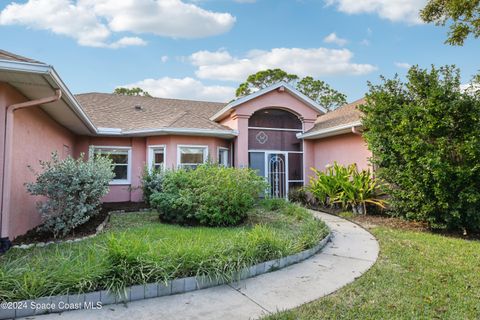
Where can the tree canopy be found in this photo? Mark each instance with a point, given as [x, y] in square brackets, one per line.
[464, 15]
[317, 90]
[263, 79]
[136, 91]
[425, 139]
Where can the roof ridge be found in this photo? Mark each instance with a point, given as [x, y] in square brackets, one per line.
[183, 114]
[151, 97]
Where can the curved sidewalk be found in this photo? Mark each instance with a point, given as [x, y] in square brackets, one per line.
[350, 253]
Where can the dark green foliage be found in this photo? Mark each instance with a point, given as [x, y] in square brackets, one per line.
[464, 15]
[263, 79]
[210, 195]
[136, 91]
[316, 90]
[298, 195]
[321, 92]
[425, 138]
[151, 182]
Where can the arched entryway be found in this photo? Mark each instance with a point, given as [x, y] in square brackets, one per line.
[274, 150]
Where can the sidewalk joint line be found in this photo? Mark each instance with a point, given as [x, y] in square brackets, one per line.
[353, 258]
[243, 294]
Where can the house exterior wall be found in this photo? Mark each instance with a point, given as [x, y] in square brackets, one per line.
[35, 137]
[345, 149]
[139, 154]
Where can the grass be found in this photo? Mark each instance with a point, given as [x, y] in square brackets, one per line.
[418, 275]
[137, 248]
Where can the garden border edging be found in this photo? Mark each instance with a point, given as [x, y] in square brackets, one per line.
[152, 290]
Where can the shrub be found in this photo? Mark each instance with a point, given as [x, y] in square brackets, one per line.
[151, 182]
[425, 138]
[298, 195]
[210, 195]
[273, 204]
[347, 186]
[73, 188]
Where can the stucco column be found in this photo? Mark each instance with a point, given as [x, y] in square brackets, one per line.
[308, 124]
[308, 151]
[308, 160]
[241, 143]
[139, 159]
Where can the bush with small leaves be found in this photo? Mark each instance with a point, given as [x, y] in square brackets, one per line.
[151, 181]
[210, 195]
[73, 188]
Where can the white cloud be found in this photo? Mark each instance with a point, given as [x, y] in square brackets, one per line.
[365, 42]
[184, 88]
[220, 65]
[93, 22]
[127, 41]
[393, 10]
[164, 59]
[403, 65]
[333, 38]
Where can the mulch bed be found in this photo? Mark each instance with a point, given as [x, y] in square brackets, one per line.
[370, 221]
[86, 229]
[379, 218]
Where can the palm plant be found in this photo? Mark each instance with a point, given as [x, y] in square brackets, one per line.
[347, 186]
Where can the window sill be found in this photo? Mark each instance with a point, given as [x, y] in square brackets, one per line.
[119, 183]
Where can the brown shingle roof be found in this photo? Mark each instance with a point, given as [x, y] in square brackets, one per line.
[343, 115]
[5, 55]
[119, 111]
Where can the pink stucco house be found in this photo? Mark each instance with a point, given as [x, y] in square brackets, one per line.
[277, 131]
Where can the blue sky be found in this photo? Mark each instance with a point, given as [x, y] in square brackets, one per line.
[202, 49]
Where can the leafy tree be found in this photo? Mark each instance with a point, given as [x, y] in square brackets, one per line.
[136, 91]
[465, 16]
[425, 138]
[263, 79]
[317, 90]
[321, 92]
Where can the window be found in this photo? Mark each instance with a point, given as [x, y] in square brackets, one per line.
[120, 157]
[156, 157]
[223, 157]
[191, 156]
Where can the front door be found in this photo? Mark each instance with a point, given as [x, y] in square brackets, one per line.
[276, 174]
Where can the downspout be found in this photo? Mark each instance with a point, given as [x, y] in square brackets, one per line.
[355, 131]
[7, 163]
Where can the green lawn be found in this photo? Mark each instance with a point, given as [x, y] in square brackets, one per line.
[137, 248]
[417, 276]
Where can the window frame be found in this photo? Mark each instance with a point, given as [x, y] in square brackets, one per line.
[151, 154]
[180, 146]
[127, 181]
[219, 149]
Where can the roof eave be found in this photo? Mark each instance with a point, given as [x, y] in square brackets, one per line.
[328, 132]
[49, 71]
[168, 131]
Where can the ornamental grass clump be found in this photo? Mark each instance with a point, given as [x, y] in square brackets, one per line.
[73, 188]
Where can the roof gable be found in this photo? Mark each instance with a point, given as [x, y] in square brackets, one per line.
[297, 94]
[336, 121]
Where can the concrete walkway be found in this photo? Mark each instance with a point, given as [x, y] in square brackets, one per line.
[351, 252]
